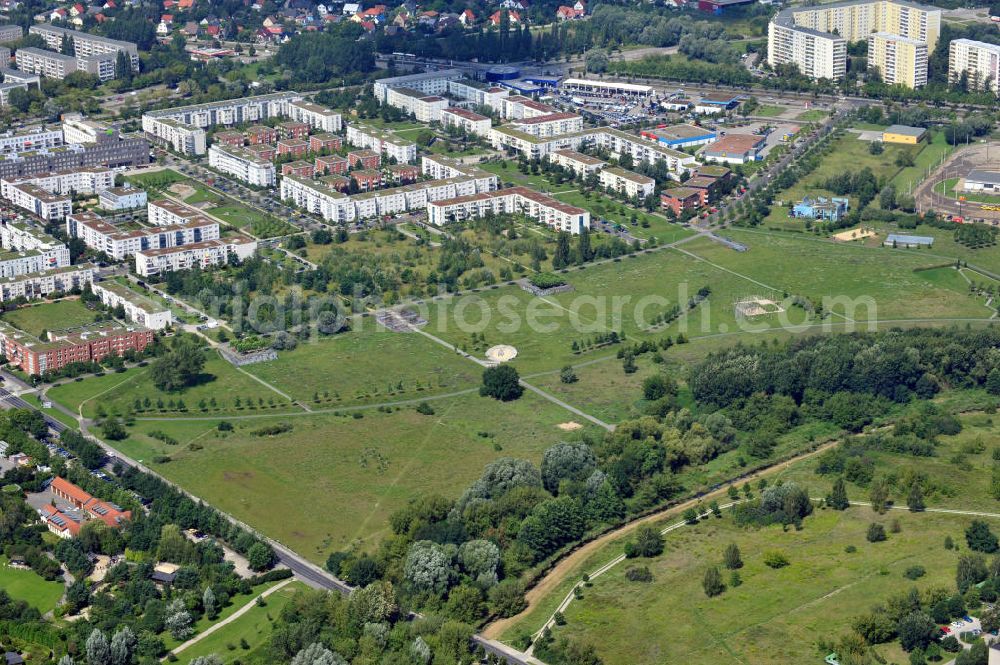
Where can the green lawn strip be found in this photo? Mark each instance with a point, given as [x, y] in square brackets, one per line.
[156, 179]
[332, 481]
[812, 115]
[219, 380]
[235, 603]
[29, 586]
[33, 399]
[254, 628]
[769, 111]
[367, 365]
[58, 315]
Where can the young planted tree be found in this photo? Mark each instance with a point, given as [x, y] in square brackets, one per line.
[712, 582]
[838, 496]
[731, 557]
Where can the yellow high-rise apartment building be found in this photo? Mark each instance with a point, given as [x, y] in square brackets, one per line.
[899, 60]
[815, 38]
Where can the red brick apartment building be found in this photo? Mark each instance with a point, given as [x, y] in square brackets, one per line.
[332, 164]
[320, 142]
[261, 135]
[84, 344]
[366, 158]
[293, 130]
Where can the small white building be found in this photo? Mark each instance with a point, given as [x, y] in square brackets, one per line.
[122, 198]
[979, 181]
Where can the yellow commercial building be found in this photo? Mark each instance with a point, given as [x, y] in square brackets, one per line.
[903, 134]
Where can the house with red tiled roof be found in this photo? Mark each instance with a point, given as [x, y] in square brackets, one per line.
[88, 507]
[167, 18]
[565, 13]
[58, 14]
[100, 18]
[169, 4]
[512, 15]
[63, 524]
[467, 18]
[77, 10]
[185, 4]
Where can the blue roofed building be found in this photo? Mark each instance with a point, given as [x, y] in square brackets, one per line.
[821, 208]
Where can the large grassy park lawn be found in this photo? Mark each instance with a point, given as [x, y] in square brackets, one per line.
[803, 265]
[220, 380]
[777, 616]
[816, 596]
[50, 316]
[29, 586]
[334, 480]
[254, 627]
[370, 365]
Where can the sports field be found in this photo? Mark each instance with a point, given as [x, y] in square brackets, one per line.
[29, 586]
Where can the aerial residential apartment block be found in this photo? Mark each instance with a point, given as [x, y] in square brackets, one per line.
[898, 60]
[423, 107]
[242, 165]
[581, 164]
[205, 254]
[450, 179]
[468, 121]
[317, 117]
[815, 38]
[627, 182]
[978, 62]
[34, 199]
[90, 343]
[118, 244]
[85, 44]
[552, 124]
[185, 126]
[515, 200]
[40, 284]
[138, 308]
[382, 142]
